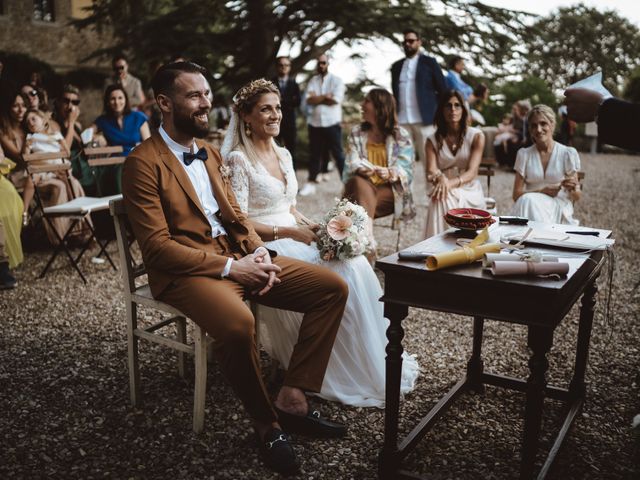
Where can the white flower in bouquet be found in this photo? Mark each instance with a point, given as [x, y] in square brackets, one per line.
[343, 232]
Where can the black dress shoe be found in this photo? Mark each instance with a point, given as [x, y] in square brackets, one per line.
[310, 424]
[277, 452]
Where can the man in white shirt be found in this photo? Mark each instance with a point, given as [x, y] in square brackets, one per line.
[323, 97]
[416, 81]
[203, 257]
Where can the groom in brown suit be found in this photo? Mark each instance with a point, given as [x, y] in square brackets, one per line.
[204, 257]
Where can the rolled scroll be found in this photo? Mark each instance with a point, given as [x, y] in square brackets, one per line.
[489, 258]
[501, 268]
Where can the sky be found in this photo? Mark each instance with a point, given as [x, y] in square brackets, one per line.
[378, 57]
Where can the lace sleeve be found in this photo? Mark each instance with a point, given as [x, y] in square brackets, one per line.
[239, 166]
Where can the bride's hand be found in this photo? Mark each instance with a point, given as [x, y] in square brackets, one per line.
[304, 233]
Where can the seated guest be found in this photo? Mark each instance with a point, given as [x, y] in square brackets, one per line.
[7, 280]
[506, 157]
[453, 154]
[546, 183]
[204, 257]
[38, 101]
[66, 113]
[13, 106]
[265, 185]
[53, 188]
[11, 220]
[379, 163]
[120, 126]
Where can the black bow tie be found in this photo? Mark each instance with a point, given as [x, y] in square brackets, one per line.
[188, 157]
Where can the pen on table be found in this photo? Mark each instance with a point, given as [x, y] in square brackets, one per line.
[584, 232]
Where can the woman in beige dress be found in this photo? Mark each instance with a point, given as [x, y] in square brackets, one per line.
[453, 152]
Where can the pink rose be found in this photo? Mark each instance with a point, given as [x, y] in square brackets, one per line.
[338, 227]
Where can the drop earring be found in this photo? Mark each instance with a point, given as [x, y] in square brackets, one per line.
[247, 129]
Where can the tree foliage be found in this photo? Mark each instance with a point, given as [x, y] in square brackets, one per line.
[240, 39]
[577, 41]
[535, 89]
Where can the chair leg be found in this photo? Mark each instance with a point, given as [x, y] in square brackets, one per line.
[200, 390]
[181, 335]
[132, 354]
[62, 246]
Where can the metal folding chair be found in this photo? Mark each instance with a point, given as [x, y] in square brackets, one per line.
[78, 210]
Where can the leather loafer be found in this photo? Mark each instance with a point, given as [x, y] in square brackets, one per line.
[277, 452]
[310, 424]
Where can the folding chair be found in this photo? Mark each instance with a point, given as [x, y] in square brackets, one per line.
[78, 210]
[103, 157]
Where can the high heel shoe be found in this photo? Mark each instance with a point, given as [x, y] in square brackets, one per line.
[25, 219]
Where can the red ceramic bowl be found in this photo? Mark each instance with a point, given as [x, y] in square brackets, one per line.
[468, 218]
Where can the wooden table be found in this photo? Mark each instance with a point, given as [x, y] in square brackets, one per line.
[538, 303]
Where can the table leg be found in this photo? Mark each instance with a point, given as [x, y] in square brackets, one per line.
[539, 341]
[388, 460]
[577, 386]
[475, 365]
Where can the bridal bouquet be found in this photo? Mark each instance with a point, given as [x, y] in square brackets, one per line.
[343, 232]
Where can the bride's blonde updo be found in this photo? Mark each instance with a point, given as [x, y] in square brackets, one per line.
[247, 97]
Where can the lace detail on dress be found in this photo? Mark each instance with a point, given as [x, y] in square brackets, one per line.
[260, 194]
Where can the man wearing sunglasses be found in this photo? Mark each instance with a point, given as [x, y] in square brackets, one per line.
[416, 81]
[131, 84]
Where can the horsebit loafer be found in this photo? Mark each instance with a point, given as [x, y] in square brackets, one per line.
[277, 452]
[310, 424]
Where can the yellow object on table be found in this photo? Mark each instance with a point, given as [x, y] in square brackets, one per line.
[470, 253]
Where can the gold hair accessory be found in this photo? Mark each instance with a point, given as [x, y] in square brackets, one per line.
[250, 89]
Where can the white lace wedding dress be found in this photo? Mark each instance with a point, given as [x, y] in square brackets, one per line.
[356, 371]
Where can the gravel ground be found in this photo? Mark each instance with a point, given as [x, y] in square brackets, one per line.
[65, 413]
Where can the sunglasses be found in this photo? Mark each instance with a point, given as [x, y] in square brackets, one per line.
[322, 63]
[410, 40]
[119, 67]
[33, 93]
[284, 64]
[68, 101]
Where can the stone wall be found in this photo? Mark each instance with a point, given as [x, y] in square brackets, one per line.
[56, 42]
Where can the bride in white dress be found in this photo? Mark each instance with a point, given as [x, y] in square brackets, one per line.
[265, 185]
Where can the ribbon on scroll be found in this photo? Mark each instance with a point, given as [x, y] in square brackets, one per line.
[469, 253]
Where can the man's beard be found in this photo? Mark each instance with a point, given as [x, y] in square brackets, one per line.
[188, 124]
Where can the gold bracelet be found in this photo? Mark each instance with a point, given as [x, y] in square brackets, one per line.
[275, 232]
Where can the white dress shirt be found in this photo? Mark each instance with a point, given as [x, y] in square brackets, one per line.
[408, 110]
[201, 182]
[325, 115]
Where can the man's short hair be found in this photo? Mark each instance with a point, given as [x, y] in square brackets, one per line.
[165, 78]
[282, 56]
[454, 60]
[411, 30]
[117, 57]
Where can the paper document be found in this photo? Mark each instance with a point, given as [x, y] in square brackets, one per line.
[594, 82]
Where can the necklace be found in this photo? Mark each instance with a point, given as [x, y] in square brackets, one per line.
[453, 144]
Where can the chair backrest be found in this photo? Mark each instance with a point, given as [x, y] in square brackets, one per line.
[101, 156]
[46, 162]
[130, 270]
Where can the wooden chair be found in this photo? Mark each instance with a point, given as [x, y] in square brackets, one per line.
[488, 165]
[98, 157]
[141, 295]
[78, 210]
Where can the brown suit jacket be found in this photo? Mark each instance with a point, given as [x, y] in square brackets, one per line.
[168, 221]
